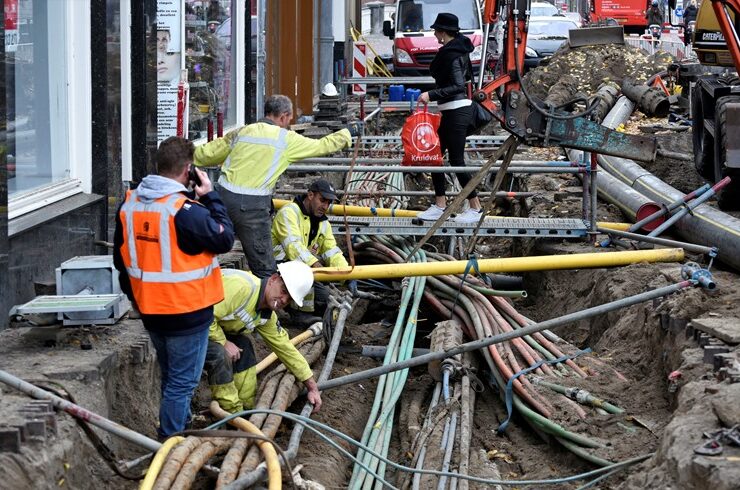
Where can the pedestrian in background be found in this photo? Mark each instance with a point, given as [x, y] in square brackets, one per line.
[451, 71]
[165, 245]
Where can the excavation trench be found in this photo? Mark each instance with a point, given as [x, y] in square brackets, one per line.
[634, 350]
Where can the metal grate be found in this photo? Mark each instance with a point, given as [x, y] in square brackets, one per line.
[511, 227]
[69, 304]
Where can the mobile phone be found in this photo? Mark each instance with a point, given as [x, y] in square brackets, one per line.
[193, 176]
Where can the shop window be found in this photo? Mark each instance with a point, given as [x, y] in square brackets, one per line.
[36, 75]
[47, 102]
[210, 55]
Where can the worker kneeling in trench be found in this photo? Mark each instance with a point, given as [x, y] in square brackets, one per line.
[249, 304]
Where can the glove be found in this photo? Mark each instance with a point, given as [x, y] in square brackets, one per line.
[356, 128]
[352, 287]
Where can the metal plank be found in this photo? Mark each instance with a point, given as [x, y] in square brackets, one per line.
[512, 227]
[69, 304]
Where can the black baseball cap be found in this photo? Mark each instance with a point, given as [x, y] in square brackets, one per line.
[323, 187]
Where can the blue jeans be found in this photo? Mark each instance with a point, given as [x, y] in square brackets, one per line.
[181, 360]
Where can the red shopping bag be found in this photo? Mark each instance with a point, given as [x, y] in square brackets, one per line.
[420, 139]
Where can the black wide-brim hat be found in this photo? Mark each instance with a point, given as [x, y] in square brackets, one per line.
[446, 22]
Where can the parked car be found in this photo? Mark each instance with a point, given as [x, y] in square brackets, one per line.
[542, 9]
[414, 44]
[576, 17]
[546, 35]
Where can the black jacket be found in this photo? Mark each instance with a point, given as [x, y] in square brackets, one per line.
[689, 15]
[450, 69]
[654, 16]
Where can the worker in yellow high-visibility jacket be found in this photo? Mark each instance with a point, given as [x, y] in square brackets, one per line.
[252, 158]
[249, 305]
[301, 231]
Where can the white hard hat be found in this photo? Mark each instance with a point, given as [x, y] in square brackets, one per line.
[329, 90]
[298, 279]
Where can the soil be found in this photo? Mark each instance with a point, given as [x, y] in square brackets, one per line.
[591, 66]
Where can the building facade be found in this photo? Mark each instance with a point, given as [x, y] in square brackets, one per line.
[89, 89]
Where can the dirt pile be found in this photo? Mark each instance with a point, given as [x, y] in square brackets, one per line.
[591, 66]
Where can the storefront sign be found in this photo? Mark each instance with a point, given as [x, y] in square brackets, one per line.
[10, 8]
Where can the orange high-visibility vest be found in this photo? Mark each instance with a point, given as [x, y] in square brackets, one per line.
[164, 279]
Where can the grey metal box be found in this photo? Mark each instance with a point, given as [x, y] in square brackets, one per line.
[90, 274]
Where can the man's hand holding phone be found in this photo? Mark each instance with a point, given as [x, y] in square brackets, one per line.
[201, 183]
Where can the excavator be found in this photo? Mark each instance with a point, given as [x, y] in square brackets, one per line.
[529, 119]
[715, 99]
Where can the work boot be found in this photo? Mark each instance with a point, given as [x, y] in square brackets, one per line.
[432, 213]
[470, 215]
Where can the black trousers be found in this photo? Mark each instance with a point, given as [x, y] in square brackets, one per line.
[252, 220]
[452, 132]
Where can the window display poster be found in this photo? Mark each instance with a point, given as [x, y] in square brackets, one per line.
[169, 65]
[10, 9]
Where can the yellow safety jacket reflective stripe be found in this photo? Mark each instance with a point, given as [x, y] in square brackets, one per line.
[238, 314]
[290, 230]
[253, 157]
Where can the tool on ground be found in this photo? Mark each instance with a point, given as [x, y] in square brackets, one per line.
[714, 446]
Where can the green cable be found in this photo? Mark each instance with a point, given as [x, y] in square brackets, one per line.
[594, 401]
[405, 298]
[380, 426]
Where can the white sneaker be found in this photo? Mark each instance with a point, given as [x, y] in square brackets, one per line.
[431, 214]
[470, 215]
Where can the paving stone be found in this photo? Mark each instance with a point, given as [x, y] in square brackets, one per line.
[726, 405]
[10, 439]
[727, 329]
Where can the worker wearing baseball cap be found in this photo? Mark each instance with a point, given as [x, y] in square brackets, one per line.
[249, 304]
[301, 231]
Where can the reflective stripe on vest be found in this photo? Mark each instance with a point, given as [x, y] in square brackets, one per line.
[166, 280]
[167, 209]
[304, 255]
[330, 253]
[266, 188]
[241, 311]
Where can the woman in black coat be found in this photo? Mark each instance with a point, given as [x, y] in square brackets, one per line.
[451, 71]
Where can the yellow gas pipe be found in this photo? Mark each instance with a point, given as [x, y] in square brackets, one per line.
[513, 264]
[274, 473]
[337, 210]
[156, 465]
[312, 331]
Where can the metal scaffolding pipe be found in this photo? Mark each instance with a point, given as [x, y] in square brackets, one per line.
[393, 193]
[397, 161]
[390, 138]
[512, 264]
[80, 412]
[691, 247]
[432, 170]
[706, 226]
[512, 334]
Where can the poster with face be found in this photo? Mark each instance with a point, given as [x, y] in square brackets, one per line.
[169, 65]
[169, 46]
